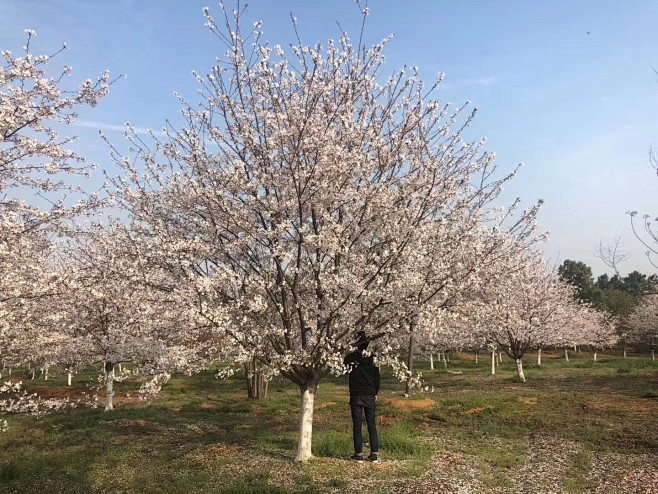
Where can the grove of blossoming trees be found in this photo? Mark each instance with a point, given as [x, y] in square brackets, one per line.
[114, 309]
[306, 199]
[34, 162]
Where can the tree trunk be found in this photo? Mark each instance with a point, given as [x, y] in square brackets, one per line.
[624, 350]
[500, 357]
[306, 422]
[69, 375]
[109, 386]
[539, 357]
[476, 357]
[594, 355]
[493, 362]
[410, 360]
[10, 371]
[45, 374]
[119, 368]
[256, 383]
[431, 361]
[653, 357]
[566, 354]
[519, 370]
[445, 359]
[32, 378]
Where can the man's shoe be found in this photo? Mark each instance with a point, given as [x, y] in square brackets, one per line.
[373, 458]
[357, 458]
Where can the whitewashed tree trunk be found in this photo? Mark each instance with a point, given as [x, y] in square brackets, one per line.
[45, 374]
[109, 386]
[69, 376]
[493, 362]
[306, 423]
[33, 375]
[519, 370]
[566, 354]
[476, 357]
[624, 350]
[410, 359]
[431, 361]
[539, 357]
[594, 355]
[653, 357]
[119, 368]
[500, 357]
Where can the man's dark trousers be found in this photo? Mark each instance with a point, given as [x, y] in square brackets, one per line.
[358, 404]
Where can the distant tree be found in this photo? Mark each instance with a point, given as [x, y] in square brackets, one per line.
[643, 322]
[637, 283]
[603, 282]
[620, 304]
[579, 274]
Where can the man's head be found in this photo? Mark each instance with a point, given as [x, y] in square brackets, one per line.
[362, 340]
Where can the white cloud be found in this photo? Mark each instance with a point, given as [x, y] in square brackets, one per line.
[482, 81]
[92, 124]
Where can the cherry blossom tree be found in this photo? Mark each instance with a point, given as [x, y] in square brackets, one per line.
[114, 310]
[599, 331]
[309, 197]
[527, 307]
[644, 322]
[33, 162]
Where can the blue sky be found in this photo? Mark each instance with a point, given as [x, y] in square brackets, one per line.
[564, 86]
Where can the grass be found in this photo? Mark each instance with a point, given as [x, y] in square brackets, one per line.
[203, 435]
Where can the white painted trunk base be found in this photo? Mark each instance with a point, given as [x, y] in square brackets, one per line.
[493, 362]
[519, 370]
[566, 354]
[69, 376]
[539, 357]
[431, 361]
[109, 386]
[595, 356]
[306, 425]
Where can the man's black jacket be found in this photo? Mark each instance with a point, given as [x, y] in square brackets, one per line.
[364, 374]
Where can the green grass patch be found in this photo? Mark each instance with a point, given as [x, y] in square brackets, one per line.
[202, 434]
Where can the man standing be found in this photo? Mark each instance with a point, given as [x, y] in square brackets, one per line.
[364, 386]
